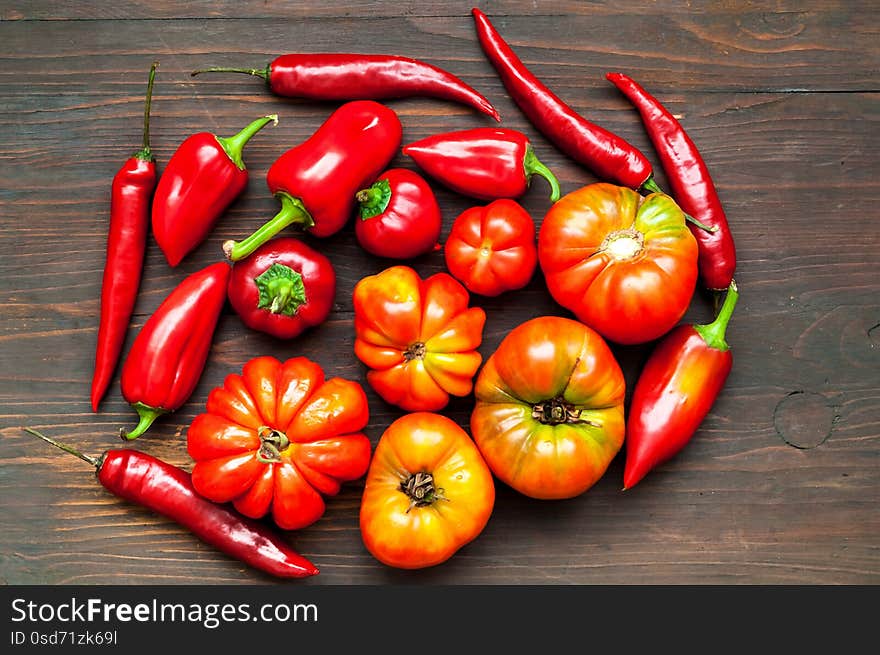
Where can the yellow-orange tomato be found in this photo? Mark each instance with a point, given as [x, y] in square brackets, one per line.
[428, 492]
[549, 412]
[623, 264]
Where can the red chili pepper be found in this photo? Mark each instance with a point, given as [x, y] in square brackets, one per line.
[344, 76]
[485, 163]
[690, 181]
[605, 153]
[399, 216]
[130, 195]
[283, 288]
[317, 180]
[169, 353]
[204, 175]
[675, 390]
[167, 490]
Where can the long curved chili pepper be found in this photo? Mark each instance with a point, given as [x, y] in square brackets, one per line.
[675, 390]
[167, 490]
[690, 181]
[169, 354]
[605, 153]
[130, 195]
[347, 76]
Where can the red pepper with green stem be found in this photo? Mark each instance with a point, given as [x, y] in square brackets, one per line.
[485, 163]
[130, 196]
[690, 181]
[170, 351]
[167, 490]
[399, 216]
[283, 288]
[317, 181]
[675, 390]
[345, 76]
[203, 177]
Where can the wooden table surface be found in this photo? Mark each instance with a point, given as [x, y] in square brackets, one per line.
[781, 483]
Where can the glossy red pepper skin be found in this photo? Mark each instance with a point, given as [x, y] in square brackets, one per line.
[130, 196]
[605, 153]
[283, 288]
[167, 490]
[487, 163]
[675, 391]
[399, 216]
[317, 180]
[203, 177]
[169, 353]
[350, 76]
[690, 181]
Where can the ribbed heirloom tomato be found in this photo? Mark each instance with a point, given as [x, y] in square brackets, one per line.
[549, 412]
[277, 438]
[624, 264]
[428, 492]
[418, 337]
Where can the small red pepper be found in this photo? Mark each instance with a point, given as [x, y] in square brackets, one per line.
[317, 180]
[203, 177]
[399, 216]
[130, 196]
[675, 390]
[169, 353]
[345, 76]
[167, 490]
[485, 163]
[283, 288]
[690, 181]
[603, 152]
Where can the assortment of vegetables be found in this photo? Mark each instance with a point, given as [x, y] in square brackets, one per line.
[279, 439]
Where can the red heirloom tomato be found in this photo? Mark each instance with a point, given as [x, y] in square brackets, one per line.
[418, 337]
[549, 412]
[428, 492]
[282, 288]
[623, 264]
[399, 217]
[492, 249]
[279, 437]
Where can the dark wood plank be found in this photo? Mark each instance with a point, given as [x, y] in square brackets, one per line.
[778, 486]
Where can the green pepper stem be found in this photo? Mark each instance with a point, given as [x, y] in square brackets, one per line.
[145, 153]
[713, 333]
[146, 415]
[233, 145]
[651, 185]
[533, 165]
[374, 200]
[94, 461]
[256, 72]
[292, 212]
[281, 289]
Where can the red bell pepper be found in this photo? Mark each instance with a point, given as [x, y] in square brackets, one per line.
[203, 177]
[317, 180]
[282, 288]
[169, 353]
[676, 389]
[485, 162]
[399, 216]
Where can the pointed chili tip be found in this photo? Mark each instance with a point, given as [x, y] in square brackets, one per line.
[437, 246]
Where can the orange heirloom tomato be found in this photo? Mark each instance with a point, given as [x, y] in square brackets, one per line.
[428, 492]
[549, 412]
[624, 264]
[417, 337]
[279, 437]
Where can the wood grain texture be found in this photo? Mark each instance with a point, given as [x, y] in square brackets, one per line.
[780, 485]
